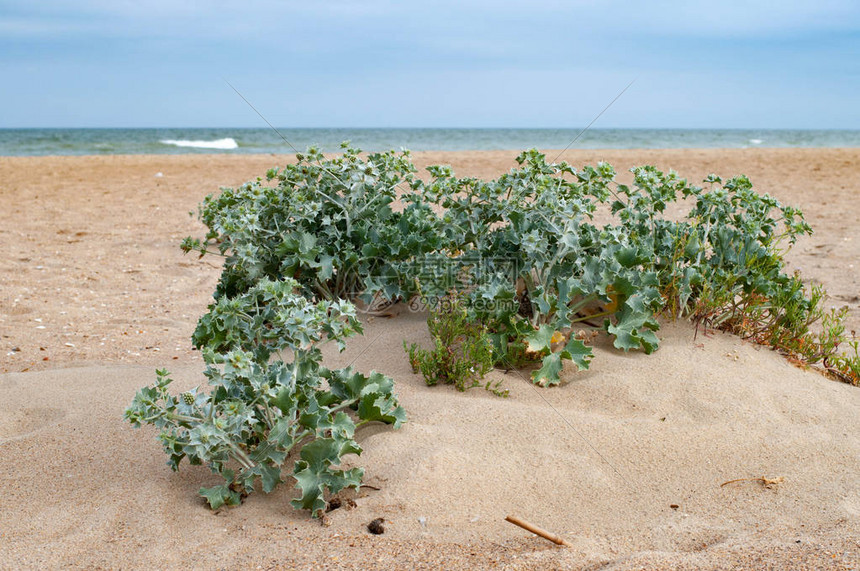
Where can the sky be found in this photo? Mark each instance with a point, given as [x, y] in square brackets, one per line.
[381, 63]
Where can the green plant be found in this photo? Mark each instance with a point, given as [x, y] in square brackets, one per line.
[792, 320]
[521, 256]
[264, 407]
[543, 263]
[522, 250]
[462, 353]
[532, 230]
[846, 366]
[327, 223]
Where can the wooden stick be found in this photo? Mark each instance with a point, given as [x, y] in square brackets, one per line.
[538, 531]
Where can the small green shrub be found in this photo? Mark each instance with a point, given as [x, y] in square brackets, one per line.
[793, 322]
[846, 366]
[462, 352]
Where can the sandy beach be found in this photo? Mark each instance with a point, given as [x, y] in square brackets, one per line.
[624, 461]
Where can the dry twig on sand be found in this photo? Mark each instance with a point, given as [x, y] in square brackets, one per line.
[538, 531]
[766, 482]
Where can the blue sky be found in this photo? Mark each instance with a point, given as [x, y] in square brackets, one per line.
[380, 63]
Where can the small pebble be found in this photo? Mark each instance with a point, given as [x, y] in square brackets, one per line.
[375, 527]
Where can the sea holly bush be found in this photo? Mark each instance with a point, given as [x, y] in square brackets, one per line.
[327, 223]
[524, 251]
[722, 262]
[523, 254]
[270, 399]
[567, 270]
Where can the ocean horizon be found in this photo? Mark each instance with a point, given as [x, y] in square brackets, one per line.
[173, 141]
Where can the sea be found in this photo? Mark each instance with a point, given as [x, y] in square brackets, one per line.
[172, 141]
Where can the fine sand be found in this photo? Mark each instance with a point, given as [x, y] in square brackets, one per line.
[624, 461]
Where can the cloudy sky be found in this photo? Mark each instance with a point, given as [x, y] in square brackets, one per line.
[380, 63]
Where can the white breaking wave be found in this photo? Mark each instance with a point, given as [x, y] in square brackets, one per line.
[227, 143]
[756, 141]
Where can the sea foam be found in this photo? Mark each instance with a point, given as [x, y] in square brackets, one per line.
[227, 143]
